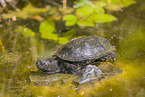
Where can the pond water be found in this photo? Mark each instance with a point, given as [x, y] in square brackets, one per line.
[19, 55]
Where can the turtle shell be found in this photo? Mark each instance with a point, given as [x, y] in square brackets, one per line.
[85, 48]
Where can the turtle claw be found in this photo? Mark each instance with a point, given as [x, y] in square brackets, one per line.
[91, 74]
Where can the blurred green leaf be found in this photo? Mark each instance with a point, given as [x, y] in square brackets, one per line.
[128, 2]
[28, 11]
[114, 7]
[26, 31]
[67, 10]
[84, 11]
[50, 36]
[62, 40]
[117, 4]
[69, 33]
[103, 18]
[88, 23]
[98, 9]
[81, 2]
[100, 3]
[70, 20]
[47, 27]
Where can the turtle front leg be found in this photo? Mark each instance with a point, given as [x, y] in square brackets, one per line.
[90, 73]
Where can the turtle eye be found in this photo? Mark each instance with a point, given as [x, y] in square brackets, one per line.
[42, 64]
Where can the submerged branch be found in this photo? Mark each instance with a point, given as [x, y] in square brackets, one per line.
[64, 4]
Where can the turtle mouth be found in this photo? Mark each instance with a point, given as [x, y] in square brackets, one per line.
[38, 63]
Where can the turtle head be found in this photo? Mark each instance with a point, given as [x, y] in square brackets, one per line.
[48, 65]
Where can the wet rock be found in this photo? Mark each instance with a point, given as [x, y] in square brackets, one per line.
[39, 78]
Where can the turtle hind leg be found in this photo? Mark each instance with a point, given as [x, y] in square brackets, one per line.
[91, 73]
[109, 58]
[113, 56]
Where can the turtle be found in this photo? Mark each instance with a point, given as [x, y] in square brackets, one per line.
[77, 57]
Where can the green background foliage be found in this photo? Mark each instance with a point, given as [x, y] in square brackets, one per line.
[83, 14]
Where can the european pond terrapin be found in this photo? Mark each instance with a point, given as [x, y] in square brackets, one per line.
[76, 57]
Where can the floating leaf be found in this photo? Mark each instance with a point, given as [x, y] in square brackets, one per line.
[103, 18]
[50, 36]
[47, 27]
[62, 40]
[26, 31]
[70, 20]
